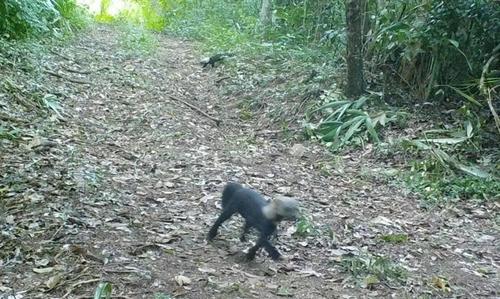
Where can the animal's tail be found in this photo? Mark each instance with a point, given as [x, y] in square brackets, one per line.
[228, 193]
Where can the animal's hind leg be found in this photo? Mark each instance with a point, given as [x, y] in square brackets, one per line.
[246, 229]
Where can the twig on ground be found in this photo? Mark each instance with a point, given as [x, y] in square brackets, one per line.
[66, 78]
[85, 72]
[77, 71]
[272, 132]
[216, 120]
[221, 79]
[73, 286]
[6, 117]
[63, 56]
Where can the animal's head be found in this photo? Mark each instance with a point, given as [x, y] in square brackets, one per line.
[286, 207]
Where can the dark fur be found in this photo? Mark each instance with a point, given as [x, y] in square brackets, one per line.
[216, 58]
[250, 204]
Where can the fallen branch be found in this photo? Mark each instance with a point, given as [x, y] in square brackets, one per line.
[84, 72]
[221, 79]
[12, 119]
[72, 287]
[272, 132]
[66, 78]
[216, 120]
[63, 56]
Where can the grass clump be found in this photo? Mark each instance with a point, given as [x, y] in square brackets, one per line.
[372, 270]
[395, 238]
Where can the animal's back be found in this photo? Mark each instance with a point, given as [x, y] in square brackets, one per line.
[229, 190]
[250, 206]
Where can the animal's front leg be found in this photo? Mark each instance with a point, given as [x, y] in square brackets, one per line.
[246, 229]
[223, 217]
[273, 252]
[253, 250]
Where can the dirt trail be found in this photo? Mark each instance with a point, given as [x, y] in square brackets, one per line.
[130, 189]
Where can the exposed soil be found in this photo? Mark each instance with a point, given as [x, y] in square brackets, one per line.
[125, 189]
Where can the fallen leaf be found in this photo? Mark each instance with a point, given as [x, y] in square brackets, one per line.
[441, 283]
[370, 280]
[297, 150]
[284, 292]
[10, 219]
[383, 221]
[310, 272]
[53, 281]
[208, 270]
[182, 280]
[43, 270]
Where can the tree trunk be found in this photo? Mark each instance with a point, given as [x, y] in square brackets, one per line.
[355, 81]
[265, 17]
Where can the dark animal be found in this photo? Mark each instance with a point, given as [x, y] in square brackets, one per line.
[215, 58]
[258, 213]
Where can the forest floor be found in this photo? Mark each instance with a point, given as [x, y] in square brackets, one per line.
[125, 183]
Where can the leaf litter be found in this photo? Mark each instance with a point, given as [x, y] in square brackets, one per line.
[121, 186]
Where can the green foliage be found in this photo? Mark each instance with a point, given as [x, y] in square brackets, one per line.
[434, 42]
[343, 119]
[436, 185]
[137, 39]
[19, 18]
[373, 270]
[305, 227]
[162, 296]
[103, 291]
[51, 103]
[395, 238]
[9, 133]
[218, 24]
[73, 16]
[316, 21]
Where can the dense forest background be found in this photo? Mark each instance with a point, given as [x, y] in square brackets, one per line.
[432, 61]
[407, 89]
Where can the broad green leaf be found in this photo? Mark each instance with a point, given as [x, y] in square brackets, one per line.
[330, 105]
[331, 135]
[472, 170]
[453, 42]
[357, 104]
[468, 129]
[352, 129]
[380, 118]
[103, 291]
[340, 112]
[357, 112]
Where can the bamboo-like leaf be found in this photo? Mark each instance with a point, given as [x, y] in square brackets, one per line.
[103, 291]
[338, 113]
[472, 170]
[417, 144]
[357, 104]
[357, 112]
[468, 129]
[352, 129]
[466, 96]
[51, 103]
[330, 105]
[446, 140]
[371, 129]
[380, 118]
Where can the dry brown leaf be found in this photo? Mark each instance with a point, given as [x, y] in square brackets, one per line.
[182, 280]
